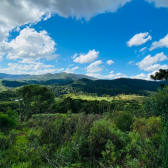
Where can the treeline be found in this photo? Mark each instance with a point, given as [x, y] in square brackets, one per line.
[69, 105]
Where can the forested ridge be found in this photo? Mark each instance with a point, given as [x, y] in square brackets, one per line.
[84, 124]
[99, 87]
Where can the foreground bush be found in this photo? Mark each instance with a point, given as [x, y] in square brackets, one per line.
[77, 140]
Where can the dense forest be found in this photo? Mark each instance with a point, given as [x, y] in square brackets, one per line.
[79, 125]
[98, 87]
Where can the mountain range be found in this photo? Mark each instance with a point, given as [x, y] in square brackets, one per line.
[44, 77]
[83, 83]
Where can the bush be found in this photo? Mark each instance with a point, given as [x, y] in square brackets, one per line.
[8, 120]
[124, 121]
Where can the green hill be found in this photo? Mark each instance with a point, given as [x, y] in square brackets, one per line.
[63, 83]
[45, 77]
[109, 87]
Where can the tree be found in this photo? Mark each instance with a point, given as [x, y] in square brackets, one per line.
[161, 75]
[34, 99]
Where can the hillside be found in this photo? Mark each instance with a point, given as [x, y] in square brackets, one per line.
[71, 83]
[45, 77]
[109, 87]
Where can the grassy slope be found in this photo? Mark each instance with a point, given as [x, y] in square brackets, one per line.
[91, 98]
[2, 88]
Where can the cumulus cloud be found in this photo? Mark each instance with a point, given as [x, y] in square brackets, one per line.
[159, 44]
[139, 39]
[31, 45]
[110, 76]
[86, 58]
[149, 63]
[109, 62]
[68, 70]
[94, 67]
[15, 13]
[144, 76]
[33, 68]
[140, 76]
[159, 3]
[79, 8]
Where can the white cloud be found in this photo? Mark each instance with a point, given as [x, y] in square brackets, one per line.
[94, 67]
[29, 45]
[140, 76]
[115, 76]
[148, 63]
[71, 65]
[111, 72]
[156, 67]
[142, 49]
[144, 76]
[74, 56]
[110, 76]
[60, 70]
[1, 58]
[16, 13]
[47, 16]
[159, 3]
[139, 39]
[159, 44]
[79, 8]
[130, 63]
[109, 62]
[86, 58]
[31, 68]
[68, 70]
[95, 75]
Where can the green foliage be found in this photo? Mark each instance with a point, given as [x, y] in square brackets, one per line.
[78, 140]
[8, 120]
[107, 87]
[4, 105]
[157, 105]
[7, 95]
[75, 133]
[14, 84]
[161, 75]
[34, 99]
[124, 121]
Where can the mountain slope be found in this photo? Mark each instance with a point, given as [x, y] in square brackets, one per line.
[44, 77]
[115, 87]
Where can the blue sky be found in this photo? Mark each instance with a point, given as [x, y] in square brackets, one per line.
[104, 39]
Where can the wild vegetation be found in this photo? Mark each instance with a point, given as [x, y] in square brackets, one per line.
[82, 130]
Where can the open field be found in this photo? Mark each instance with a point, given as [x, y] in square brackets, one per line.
[118, 97]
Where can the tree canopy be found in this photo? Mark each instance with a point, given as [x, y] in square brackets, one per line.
[34, 99]
[161, 75]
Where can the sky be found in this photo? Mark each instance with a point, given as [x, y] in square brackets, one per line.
[105, 39]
